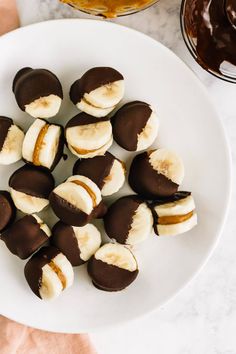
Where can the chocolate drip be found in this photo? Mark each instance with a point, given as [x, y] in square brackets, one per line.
[109, 277]
[207, 21]
[128, 122]
[7, 210]
[5, 124]
[119, 217]
[33, 268]
[34, 181]
[63, 237]
[96, 168]
[91, 80]
[147, 182]
[32, 84]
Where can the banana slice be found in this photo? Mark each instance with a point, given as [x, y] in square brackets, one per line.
[75, 200]
[48, 273]
[30, 187]
[11, 139]
[135, 126]
[78, 244]
[26, 236]
[156, 173]
[128, 220]
[113, 267]
[175, 215]
[106, 171]
[87, 137]
[98, 91]
[43, 144]
[38, 92]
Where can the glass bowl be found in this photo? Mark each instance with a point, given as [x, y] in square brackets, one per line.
[228, 71]
[114, 11]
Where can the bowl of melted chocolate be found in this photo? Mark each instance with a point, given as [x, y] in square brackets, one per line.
[209, 31]
[110, 8]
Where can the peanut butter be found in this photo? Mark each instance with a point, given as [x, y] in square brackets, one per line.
[90, 192]
[174, 219]
[38, 145]
[108, 8]
[59, 273]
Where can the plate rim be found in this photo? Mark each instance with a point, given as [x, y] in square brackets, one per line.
[227, 149]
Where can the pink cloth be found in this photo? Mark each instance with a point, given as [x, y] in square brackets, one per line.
[14, 337]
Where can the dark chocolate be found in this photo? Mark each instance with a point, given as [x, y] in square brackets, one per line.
[67, 212]
[231, 11]
[24, 237]
[99, 211]
[84, 119]
[91, 80]
[33, 268]
[7, 210]
[109, 277]
[174, 198]
[63, 237]
[147, 182]
[96, 168]
[119, 217]
[34, 181]
[209, 22]
[31, 84]
[5, 124]
[128, 123]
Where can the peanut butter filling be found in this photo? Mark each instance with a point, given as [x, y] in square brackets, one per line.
[59, 273]
[90, 192]
[38, 145]
[85, 152]
[174, 219]
[108, 8]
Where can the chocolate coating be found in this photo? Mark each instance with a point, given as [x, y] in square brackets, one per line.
[99, 211]
[24, 237]
[7, 210]
[63, 237]
[119, 217]
[34, 181]
[147, 182]
[67, 212]
[210, 23]
[96, 168]
[128, 123]
[174, 198]
[31, 84]
[5, 124]
[91, 80]
[33, 268]
[84, 119]
[108, 277]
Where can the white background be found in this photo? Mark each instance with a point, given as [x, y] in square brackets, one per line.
[202, 318]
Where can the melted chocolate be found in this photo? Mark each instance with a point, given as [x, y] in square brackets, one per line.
[34, 181]
[5, 124]
[96, 168]
[147, 182]
[84, 119]
[33, 268]
[31, 84]
[128, 123]
[67, 212]
[174, 198]
[91, 80]
[119, 217]
[99, 211]
[63, 237]
[231, 11]
[7, 210]
[109, 277]
[24, 237]
[208, 22]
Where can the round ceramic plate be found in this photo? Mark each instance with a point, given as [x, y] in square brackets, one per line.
[188, 124]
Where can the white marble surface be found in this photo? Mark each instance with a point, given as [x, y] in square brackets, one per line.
[202, 318]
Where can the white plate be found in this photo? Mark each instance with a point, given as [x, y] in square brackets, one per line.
[189, 125]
